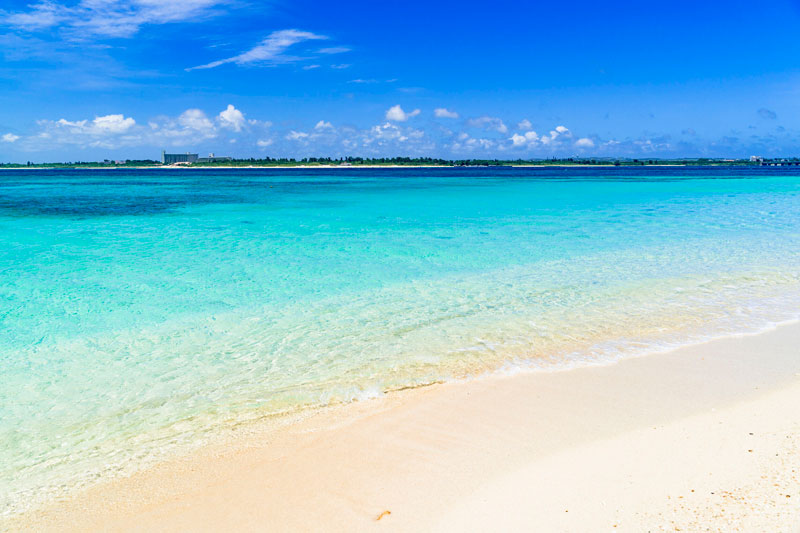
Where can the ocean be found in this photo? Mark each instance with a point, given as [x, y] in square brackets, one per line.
[144, 311]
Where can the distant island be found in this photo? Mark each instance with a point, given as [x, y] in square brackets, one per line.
[269, 162]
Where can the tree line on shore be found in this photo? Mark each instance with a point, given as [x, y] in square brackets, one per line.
[403, 161]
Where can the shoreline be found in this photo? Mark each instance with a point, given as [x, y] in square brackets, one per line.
[330, 167]
[432, 455]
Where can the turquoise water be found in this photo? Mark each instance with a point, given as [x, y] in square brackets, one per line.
[141, 311]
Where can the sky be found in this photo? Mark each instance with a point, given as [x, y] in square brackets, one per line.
[86, 80]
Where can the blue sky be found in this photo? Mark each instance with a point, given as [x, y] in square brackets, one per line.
[96, 79]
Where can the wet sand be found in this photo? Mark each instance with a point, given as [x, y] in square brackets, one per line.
[703, 437]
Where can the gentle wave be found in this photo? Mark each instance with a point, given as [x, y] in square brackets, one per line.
[194, 378]
[144, 315]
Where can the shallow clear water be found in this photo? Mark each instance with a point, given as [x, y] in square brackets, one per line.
[142, 310]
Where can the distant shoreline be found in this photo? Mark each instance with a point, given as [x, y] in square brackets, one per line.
[328, 167]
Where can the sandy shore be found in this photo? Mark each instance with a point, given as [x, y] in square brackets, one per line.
[701, 438]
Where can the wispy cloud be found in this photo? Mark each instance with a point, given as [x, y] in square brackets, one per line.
[270, 51]
[334, 50]
[106, 18]
[41, 16]
[442, 112]
[368, 80]
[488, 123]
[464, 143]
[296, 136]
[9, 137]
[323, 134]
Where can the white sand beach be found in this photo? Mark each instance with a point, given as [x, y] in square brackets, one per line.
[701, 438]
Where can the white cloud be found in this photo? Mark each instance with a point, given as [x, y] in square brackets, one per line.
[259, 123]
[107, 18]
[297, 136]
[334, 50]
[42, 15]
[190, 127]
[113, 123]
[648, 146]
[555, 139]
[105, 131]
[524, 140]
[383, 134]
[340, 66]
[322, 133]
[269, 51]
[557, 135]
[441, 112]
[465, 143]
[108, 124]
[194, 130]
[310, 67]
[195, 119]
[114, 131]
[488, 123]
[231, 118]
[397, 114]
[387, 130]
[524, 125]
